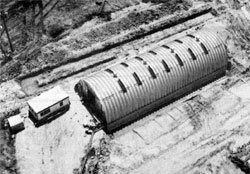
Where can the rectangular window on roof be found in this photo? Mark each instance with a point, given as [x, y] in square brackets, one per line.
[124, 64]
[152, 52]
[137, 79]
[204, 48]
[179, 59]
[109, 71]
[191, 54]
[189, 35]
[179, 41]
[139, 58]
[165, 46]
[151, 71]
[165, 66]
[123, 88]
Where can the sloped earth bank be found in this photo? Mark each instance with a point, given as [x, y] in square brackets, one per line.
[101, 60]
[7, 150]
[60, 17]
[95, 38]
[11, 99]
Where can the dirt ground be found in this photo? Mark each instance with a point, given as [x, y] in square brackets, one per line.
[180, 141]
[56, 147]
[194, 135]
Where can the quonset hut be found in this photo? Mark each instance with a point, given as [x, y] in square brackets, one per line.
[127, 91]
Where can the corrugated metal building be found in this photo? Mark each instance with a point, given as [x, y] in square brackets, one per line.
[127, 91]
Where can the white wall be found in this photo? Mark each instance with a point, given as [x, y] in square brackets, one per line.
[55, 108]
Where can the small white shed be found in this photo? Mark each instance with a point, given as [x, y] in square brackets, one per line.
[49, 103]
[16, 123]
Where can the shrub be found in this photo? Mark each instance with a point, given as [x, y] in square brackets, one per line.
[55, 30]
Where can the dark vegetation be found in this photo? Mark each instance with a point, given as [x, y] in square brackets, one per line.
[240, 29]
[7, 148]
[241, 157]
[30, 28]
[55, 30]
[96, 157]
[65, 16]
[243, 165]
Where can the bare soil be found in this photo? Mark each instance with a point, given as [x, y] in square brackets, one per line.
[13, 97]
[195, 134]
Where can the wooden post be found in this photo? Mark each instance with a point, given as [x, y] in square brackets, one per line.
[2, 49]
[102, 7]
[6, 30]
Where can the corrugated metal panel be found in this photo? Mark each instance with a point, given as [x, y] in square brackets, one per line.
[163, 76]
[169, 59]
[198, 56]
[209, 45]
[215, 51]
[176, 71]
[190, 62]
[161, 85]
[220, 47]
[108, 82]
[144, 74]
[143, 77]
[179, 49]
[201, 67]
[131, 104]
[97, 83]
[152, 83]
[198, 66]
[126, 98]
[217, 46]
[202, 63]
[188, 43]
[153, 63]
[134, 65]
[108, 109]
[209, 42]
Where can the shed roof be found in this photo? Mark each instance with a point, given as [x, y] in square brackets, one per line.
[47, 99]
[15, 120]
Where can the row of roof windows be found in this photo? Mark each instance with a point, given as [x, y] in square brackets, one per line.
[165, 65]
